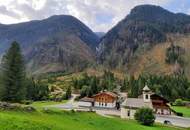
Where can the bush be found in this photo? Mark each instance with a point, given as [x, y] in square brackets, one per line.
[145, 116]
[77, 98]
[179, 114]
[15, 107]
[27, 102]
[179, 102]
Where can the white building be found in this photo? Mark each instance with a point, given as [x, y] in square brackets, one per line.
[86, 102]
[148, 99]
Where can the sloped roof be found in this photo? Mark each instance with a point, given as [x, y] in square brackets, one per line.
[87, 99]
[154, 94]
[107, 93]
[136, 103]
[146, 88]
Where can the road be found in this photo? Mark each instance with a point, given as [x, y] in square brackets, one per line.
[71, 104]
[175, 120]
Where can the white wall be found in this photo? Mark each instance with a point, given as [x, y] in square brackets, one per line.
[109, 105]
[124, 113]
[165, 111]
[144, 97]
[84, 104]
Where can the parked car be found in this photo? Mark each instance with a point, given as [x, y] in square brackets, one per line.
[167, 122]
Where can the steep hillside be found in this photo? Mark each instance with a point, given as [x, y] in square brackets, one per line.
[63, 80]
[152, 61]
[143, 28]
[55, 44]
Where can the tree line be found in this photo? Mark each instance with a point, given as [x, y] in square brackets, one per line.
[170, 87]
[90, 85]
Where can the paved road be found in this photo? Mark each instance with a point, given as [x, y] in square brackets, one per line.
[71, 104]
[175, 120]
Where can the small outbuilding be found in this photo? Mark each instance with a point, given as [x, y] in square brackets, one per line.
[86, 102]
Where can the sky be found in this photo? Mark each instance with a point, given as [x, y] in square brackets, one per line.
[99, 15]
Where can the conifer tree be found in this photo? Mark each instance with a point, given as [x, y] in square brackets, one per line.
[13, 75]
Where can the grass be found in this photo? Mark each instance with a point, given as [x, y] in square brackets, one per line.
[182, 109]
[41, 104]
[61, 120]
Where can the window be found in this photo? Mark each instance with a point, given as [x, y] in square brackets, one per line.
[105, 104]
[162, 111]
[146, 96]
[128, 113]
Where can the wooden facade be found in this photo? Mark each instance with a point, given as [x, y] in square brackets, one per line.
[105, 99]
[160, 105]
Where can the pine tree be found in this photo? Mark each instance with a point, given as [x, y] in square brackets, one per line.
[68, 93]
[13, 75]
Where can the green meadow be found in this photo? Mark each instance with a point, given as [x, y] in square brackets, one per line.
[182, 109]
[68, 120]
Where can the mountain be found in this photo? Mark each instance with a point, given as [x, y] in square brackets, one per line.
[100, 34]
[145, 27]
[57, 43]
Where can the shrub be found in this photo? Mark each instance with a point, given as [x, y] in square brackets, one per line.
[179, 102]
[29, 109]
[145, 116]
[179, 114]
[27, 102]
[15, 107]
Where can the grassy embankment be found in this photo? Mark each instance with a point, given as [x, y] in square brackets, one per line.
[59, 120]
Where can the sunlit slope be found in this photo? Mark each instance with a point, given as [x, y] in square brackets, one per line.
[152, 61]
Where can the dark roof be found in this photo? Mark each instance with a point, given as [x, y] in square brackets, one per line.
[107, 93]
[136, 103]
[159, 97]
[87, 99]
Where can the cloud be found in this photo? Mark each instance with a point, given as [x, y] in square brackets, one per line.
[5, 11]
[99, 15]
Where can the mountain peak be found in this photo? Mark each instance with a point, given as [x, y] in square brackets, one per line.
[150, 13]
[147, 7]
[145, 26]
[58, 43]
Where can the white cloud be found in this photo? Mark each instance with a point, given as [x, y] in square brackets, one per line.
[88, 11]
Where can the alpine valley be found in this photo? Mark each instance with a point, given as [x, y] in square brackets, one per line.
[137, 44]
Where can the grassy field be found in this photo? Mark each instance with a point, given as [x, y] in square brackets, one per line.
[47, 103]
[59, 120]
[184, 110]
[41, 104]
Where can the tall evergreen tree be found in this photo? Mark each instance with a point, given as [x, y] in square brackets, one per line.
[13, 75]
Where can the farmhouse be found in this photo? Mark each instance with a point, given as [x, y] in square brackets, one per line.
[105, 100]
[102, 100]
[147, 99]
